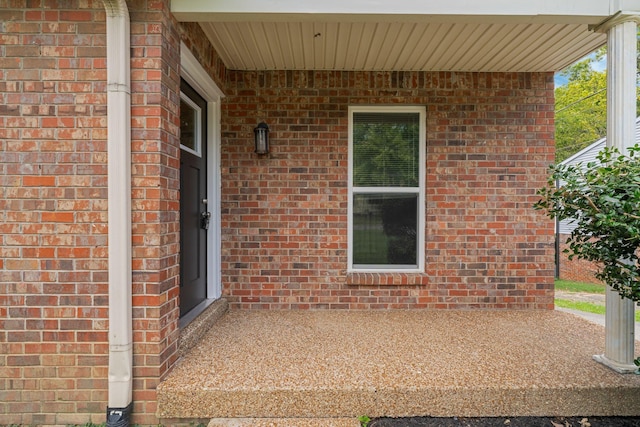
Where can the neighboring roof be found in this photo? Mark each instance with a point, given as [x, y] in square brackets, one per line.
[589, 153]
[585, 156]
[401, 35]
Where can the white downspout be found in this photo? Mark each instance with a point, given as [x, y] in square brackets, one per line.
[119, 204]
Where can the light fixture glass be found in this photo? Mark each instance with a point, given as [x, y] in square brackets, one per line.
[261, 133]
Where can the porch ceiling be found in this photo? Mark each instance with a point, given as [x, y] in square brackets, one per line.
[404, 35]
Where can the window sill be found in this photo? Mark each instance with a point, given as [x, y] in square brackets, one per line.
[386, 279]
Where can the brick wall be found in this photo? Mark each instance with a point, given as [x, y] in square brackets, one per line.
[155, 87]
[284, 217]
[53, 206]
[578, 270]
[53, 280]
[197, 42]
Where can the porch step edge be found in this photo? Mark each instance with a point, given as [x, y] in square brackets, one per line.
[193, 332]
[284, 422]
[343, 403]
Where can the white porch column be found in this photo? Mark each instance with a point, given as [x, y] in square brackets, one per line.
[621, 115]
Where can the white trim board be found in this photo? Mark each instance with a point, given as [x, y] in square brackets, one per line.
[199, 79]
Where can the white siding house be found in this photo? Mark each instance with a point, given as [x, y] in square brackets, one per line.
[584, 157]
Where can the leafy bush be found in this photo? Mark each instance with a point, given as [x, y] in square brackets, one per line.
[603, 199]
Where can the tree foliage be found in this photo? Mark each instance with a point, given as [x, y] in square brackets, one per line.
[386, 154]
[603, 200]
[581, 104]
[581, 108]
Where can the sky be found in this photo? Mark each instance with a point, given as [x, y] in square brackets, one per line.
[600, 65]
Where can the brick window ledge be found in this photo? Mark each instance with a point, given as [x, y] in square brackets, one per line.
[387, 279]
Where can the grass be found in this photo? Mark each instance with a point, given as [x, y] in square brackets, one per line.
[587, 307]
[569, 286]
[371, 247]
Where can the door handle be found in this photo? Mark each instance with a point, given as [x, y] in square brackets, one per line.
[204, 220]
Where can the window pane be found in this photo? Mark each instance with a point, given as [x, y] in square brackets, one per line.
[385, 229]
[188, 125]
[386, 149]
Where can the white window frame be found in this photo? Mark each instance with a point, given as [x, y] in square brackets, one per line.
[197, 125]
[419, 268]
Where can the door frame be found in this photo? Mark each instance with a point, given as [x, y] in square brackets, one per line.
[194, 74]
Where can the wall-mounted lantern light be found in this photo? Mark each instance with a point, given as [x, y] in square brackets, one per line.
[261, 133]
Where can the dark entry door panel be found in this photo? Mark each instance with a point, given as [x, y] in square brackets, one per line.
[193, 199]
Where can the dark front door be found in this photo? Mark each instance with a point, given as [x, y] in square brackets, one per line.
[194, 214]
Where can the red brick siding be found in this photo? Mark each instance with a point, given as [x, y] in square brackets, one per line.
[53, 282]
[576, 269]
[53, 239]
[197, 42]
[284, 217]
[155, 83]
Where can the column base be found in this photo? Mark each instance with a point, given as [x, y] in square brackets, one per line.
[618, 367]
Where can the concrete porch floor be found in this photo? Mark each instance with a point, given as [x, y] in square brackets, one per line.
[343, 364]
